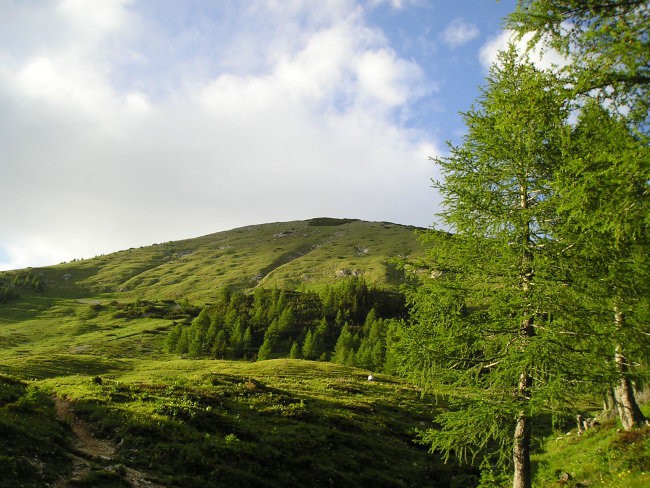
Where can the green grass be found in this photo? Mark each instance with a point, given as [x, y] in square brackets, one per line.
[270, 423]
[32, 450]
[604, 456]
[299, 254]
[223, 423]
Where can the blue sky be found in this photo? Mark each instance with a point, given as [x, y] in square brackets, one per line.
[129, 122]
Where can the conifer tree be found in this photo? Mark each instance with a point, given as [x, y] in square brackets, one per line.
[197, 338]
[322, 337]
[184, 342]
[604, 228]
[173, 337]
[237, 339]
[247, 341]
[271, 339]
[604, 182]
[482, 322]
[286, 321]
[294, 353]
[344, 348]
[606, 43]
[363, 357]
[309, 348]
[216, 325]
[220, 347]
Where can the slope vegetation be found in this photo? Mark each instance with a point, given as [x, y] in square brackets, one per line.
[299, 254]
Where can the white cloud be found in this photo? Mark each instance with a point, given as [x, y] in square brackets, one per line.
[542, 58]
[308, 127]
[458, 33]
[396, 4]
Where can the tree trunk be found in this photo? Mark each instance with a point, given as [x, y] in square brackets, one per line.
[628, 409]
[521, 448]
[609, 401]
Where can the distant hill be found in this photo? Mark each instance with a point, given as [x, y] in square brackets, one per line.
[297, 255]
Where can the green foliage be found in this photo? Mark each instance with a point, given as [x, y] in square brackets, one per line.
[270, 321]
[606, 42]
[482, 322]
[12, 281]
[294, 353]
[344, 349]
[602, 183]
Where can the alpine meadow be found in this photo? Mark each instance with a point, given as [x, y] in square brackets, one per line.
[508, 345]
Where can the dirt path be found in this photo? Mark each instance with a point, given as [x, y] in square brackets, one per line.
[89, 451]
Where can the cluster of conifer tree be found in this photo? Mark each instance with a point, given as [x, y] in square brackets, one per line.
[350, 323]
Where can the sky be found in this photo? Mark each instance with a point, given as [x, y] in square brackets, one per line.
[125, 123]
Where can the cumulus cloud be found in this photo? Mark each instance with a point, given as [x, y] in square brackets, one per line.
[458, 33]
[109, 143]
[543, 58]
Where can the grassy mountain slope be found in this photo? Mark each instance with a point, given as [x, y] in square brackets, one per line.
[217, 423]
[185, 422]
[299, 254]
[78, 310]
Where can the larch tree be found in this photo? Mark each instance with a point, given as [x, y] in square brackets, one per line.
[604, 211]
[483, 323]
[604, 184]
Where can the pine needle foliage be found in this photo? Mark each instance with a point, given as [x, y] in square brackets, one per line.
[486, 322]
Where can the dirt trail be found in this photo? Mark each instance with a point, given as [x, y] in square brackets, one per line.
[88, 451]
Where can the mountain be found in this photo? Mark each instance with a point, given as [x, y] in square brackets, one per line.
[296, 255]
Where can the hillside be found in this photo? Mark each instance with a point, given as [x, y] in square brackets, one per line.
[92, 332]
[297, 255]
[212, 423]
[92, 306]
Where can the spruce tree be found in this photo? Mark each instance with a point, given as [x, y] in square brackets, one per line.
[247, 341]
[605, 42]
[604, 183]
[271, 339]
[173, 337]
[237, 339]
[363, 358]
[309, 348]
[294, 353]
[344, 348]
[183, 342]
[220, 346]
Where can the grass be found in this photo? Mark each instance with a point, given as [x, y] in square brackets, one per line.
[281, 422]
[300, 254]
[32, 450]
[604, 456]
[270, 423]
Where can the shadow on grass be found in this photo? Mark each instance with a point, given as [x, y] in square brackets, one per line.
[42, 367]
